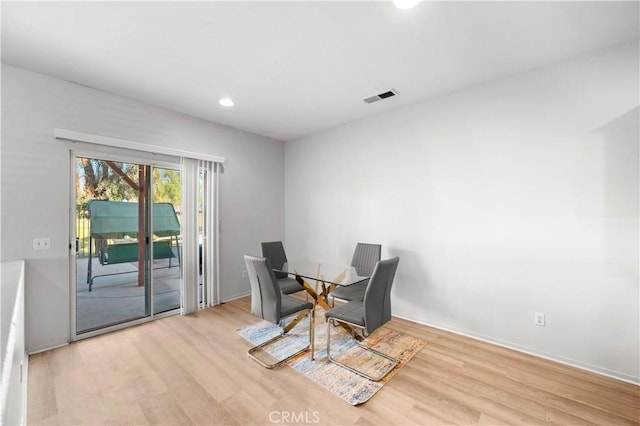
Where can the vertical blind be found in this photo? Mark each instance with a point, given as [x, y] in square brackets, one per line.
[190, 249]
[200, 239]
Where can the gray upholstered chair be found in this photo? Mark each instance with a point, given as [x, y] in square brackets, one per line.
[368, 314]
[268, 303]
[274, 251]
[365, 256]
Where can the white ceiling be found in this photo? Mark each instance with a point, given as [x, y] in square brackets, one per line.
[295, 68]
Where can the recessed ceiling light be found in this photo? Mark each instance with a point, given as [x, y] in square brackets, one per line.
[405, 4]
[226, 102]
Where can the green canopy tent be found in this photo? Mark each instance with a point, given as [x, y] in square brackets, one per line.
[109, 220]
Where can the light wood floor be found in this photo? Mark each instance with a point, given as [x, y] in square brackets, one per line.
[194, 370]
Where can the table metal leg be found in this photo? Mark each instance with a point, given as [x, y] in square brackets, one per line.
[320, 299]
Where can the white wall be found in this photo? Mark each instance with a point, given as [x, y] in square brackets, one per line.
[14, 365]
[35, 184]
[502, 200]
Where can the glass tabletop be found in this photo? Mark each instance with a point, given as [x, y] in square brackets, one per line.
[329, 273]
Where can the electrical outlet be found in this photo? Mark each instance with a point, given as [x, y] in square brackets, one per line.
[42, 244]
[244, 274]
[539, 319]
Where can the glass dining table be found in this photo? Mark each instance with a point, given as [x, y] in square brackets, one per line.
[319, 280]
[325, 276]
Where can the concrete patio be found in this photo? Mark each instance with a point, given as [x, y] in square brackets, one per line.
[116, 297]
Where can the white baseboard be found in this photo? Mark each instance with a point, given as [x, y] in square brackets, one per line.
[235, 297]
[37, 351]
[530, 351]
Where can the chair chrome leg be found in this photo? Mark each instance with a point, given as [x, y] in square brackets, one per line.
[329, 340]
[312, 332]
[392, 365]
[256, 348]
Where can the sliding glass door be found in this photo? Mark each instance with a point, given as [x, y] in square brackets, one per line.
[167, 246]
[128, 259]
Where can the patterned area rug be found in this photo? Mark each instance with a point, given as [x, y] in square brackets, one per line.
[349, 386]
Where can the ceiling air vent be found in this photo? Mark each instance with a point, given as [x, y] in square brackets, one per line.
[380, 96]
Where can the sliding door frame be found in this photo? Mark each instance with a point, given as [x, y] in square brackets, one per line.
[80, 143]
[120, 156]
